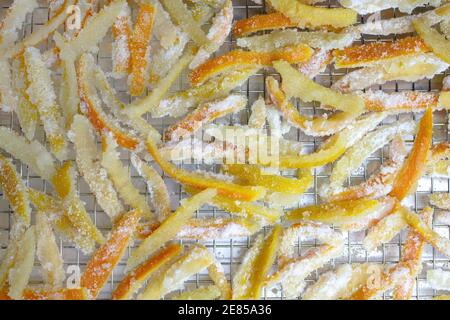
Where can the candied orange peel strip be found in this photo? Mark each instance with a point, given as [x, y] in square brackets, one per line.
[57, 294]
[91, 106]
[205, 113]
[7, 94]
[199, 181]
[401, 277]
[415, 164]
[136, 278]
[109, 97]
[401, 102]
[412, 254]
[218, 228]
[250, 278]
[262, 22]
[374, 52]
[152, 101]
[9, 256]
[324, 41]
[438, 161]
[238, 58]
[93, 31]
[429, 235]
[179, 103]
[217, 34]
[103, 261]
[340, 282]
[243, 209]
[139, 46]
[349, 215]
[207, 228]
[368, 6]
[121, 32]
[386, 280]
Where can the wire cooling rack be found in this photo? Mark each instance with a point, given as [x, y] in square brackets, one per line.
[230, 252]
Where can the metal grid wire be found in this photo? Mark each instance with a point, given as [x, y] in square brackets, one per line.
[230, 252]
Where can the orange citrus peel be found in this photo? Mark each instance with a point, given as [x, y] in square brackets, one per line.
[238, 58]
[103, 261]
[415, 164]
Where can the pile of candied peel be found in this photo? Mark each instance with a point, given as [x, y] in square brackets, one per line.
[64, 93]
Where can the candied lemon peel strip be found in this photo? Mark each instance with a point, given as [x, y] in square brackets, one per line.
[356, 155]
[64, 183]
[159, 195]
[168, 228]
[433, 39]
[224, 188]
[196, 259]
[57, 212]
[309, 16]
[381, 183]
[351, 215]
[47, 252]
[23, 264]
[135, 279]
[87, 158]
[42, 95]
[320, 126]
[14, 191]
[250, 278]
[254, 175]
[293, 270]
[120, 177]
